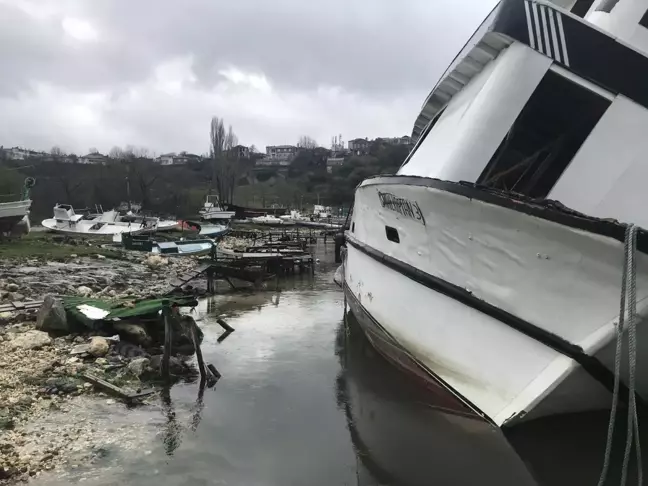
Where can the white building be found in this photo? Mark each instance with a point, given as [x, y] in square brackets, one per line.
[281, 152]
[19, 153]
[165, 159]
[359, 146]
[95, 158]
[333, 162]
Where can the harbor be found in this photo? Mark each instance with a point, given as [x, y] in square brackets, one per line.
[463, 301]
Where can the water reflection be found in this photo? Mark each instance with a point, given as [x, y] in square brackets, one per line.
[399, 436]
[403, 437]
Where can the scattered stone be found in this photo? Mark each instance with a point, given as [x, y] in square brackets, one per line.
[99, 347]
[138, 366]
[6, 423]
[30, 340]
[101, 361]
[16, 297]
[80, 349]
[133, 332]
[51, 315]
[12, 287]
[155, 261]
[84, 291]
[100, 257]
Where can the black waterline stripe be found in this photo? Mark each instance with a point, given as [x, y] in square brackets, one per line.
[590, 364]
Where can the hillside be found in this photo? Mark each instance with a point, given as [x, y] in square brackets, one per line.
[180, 189]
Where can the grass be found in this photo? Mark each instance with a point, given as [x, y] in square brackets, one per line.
[42, 245]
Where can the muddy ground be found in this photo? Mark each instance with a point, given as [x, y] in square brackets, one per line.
[40, 372]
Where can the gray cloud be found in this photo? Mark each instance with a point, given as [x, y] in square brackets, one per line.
[329, 66]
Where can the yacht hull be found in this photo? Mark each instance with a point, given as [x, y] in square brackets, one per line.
[511, 311]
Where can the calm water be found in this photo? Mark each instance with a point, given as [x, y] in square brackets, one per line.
[304, 400]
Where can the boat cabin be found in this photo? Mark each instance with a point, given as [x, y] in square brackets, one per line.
[65, 213]
[547, 100]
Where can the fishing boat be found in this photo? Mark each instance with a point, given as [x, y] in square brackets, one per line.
[14, 215]
[167, 248]
[492, 263]
[104, 224]
[213, 210]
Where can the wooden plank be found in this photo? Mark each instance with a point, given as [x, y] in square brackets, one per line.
[114, 389]
[18, 305]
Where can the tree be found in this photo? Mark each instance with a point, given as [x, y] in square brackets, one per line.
[93, 150]
[253, 149]
[225, 169]
[306, 142]
[116, 153]
[56, 151]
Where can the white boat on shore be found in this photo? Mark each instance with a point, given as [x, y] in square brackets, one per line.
[468, 268]
[14, 215]
[269, 220]
[105, 224]
[212, 210]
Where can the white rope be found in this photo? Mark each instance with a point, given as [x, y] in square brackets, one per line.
[629, 308]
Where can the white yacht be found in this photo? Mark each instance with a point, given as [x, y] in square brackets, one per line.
[492, 264]
[213, 210]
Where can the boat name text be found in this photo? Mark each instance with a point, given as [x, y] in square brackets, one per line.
[401, 205]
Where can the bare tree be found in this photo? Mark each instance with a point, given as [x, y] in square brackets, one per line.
[141, 152]
[253, 149]
[306, 142]
[56, 151]
[93, 150]
[116, 153]
[224, 166]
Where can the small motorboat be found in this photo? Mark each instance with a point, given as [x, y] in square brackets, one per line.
[166, 248]
[268, 220]
[213, 211]
[105, 224]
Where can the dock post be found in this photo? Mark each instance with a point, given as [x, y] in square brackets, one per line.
[168, 338]
[199, 356]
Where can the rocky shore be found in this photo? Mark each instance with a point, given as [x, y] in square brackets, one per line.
[42, 368]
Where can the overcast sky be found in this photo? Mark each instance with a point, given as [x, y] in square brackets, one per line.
[152, 73]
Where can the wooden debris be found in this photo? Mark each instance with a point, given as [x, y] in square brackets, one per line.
[114, 389]
[225, 325]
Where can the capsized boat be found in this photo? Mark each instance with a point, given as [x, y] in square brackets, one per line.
[104, 225]
[492, 263]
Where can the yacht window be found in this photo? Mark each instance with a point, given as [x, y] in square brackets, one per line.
[581, 7]
[644, 20]
[546, 135]
[606, 5]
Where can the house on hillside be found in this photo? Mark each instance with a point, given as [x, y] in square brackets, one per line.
[359, 146]
[177, 159]
[333, 162]
[93, 158]
[19, 153]
[281, 152]
[241, 152]
[268, 162]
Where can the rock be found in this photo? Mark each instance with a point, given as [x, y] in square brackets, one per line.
[155, 261]
[112, 293]
[12, 287]
[100, 257]
[73, 360]
[73, 255]
[51, 315]
[101, 361]
[16, 297]
[5, 317]
[84, 291]
[176, 366]
[80, 349]
[138, 366]
[31, 340]
[132, 332]
[99, 347]
[6, 423]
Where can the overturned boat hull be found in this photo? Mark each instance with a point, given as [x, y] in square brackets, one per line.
[509, 305]
[14, 216]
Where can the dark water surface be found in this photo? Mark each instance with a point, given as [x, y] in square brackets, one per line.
[305, 400]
